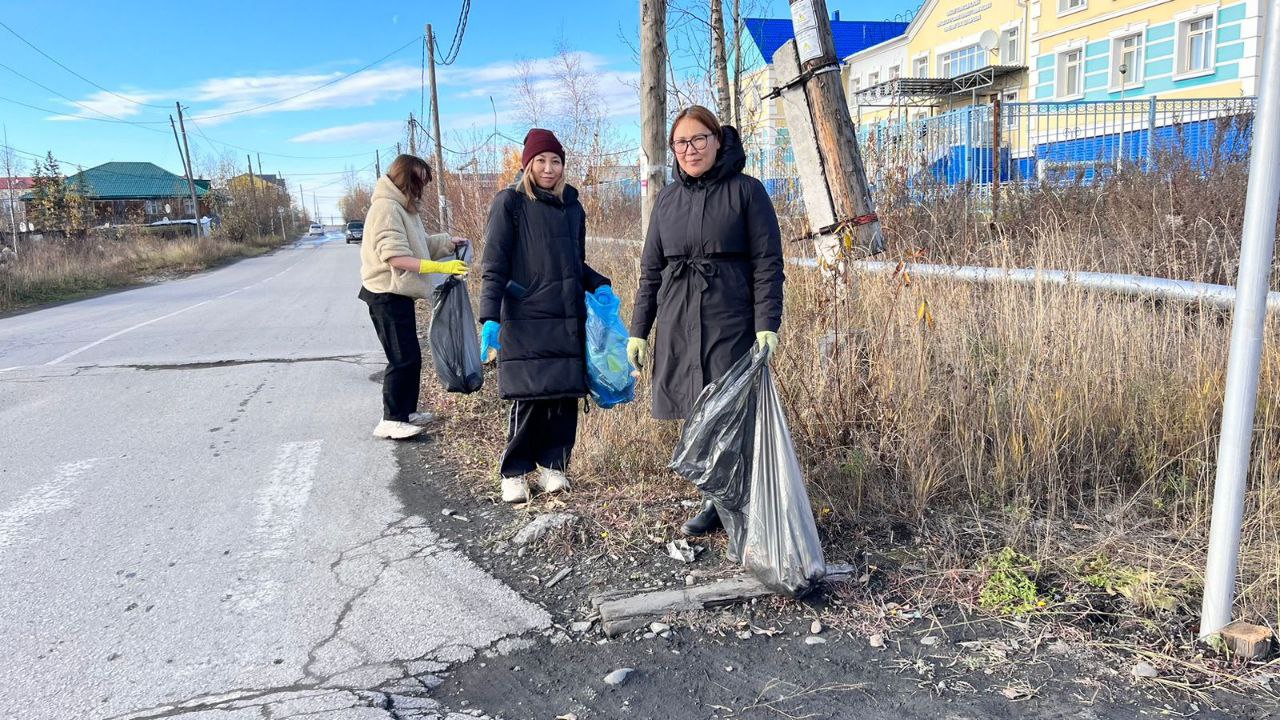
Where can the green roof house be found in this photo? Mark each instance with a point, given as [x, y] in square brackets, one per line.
[138, 192]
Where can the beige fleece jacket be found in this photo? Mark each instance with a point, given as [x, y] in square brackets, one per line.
[390, 230]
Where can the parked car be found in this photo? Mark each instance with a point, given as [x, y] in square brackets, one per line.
[355, 232]
[315, 229]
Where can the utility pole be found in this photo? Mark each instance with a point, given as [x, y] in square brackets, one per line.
[185, 150]
[719, 63]
[377, 162]
[413, 139]
[256, 211]
[1247, 328]
[840, 211]
[268, 192]
[653, 104]
[435, 126]
[8, 172]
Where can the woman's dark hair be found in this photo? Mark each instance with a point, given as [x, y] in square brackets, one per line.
[702, 115]
[411, 174]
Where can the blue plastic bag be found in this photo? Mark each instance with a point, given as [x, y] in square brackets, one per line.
[609, 377]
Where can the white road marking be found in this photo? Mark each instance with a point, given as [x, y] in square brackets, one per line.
[118, 333]
[280, 503]
[52, 496]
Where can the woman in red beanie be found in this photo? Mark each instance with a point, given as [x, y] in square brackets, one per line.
[533, 309]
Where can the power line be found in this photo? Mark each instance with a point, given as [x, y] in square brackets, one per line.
[64, 97]
[73, 72]
[456, 46]
[307, 92]
[199, 130]
[117, 121]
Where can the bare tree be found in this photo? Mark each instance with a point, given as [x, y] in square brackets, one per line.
[10, 215]
[719, 60]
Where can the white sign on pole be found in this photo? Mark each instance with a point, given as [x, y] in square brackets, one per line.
[804, 21]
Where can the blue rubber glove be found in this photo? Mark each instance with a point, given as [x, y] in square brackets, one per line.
[605, 292]
[489, 346]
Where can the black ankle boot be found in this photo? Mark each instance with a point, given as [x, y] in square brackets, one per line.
[704, 522]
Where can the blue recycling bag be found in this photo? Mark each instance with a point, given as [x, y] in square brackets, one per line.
[609, 377]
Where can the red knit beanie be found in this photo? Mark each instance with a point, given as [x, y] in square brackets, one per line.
[537, 142]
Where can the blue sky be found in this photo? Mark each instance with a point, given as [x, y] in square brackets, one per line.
[236, 55]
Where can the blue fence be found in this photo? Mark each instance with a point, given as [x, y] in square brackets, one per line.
[1037, 142]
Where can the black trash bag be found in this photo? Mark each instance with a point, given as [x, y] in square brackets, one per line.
[782, 548]
[455, 349]
[714, 452]
[737, 449]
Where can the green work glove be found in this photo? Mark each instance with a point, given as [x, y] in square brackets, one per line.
[448, 267]
[638, 352]
[767, 339]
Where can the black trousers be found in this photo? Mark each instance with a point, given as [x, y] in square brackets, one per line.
[539, 432]
[393, 317]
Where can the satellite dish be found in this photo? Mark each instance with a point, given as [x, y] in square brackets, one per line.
[988, 40]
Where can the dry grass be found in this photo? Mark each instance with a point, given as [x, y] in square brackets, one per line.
[1080, 428]
[52, 271]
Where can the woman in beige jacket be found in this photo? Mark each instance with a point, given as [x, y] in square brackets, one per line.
[396, 256]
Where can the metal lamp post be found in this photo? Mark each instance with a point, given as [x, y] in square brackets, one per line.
[1247, 325]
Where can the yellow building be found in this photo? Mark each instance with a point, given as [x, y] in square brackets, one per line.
[960, 52]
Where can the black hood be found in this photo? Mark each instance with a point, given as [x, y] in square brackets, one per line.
[731, 158]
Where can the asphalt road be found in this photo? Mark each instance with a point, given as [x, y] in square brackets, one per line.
[195, 520]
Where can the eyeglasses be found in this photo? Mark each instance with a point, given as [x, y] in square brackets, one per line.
[698, 142]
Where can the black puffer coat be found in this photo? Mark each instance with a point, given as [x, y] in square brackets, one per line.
[710, 275]
[535, 276]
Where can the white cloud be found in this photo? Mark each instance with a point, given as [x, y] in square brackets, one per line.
[221, 99]
[104, 104]
[377, 131]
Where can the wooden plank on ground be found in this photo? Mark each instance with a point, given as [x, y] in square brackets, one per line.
[621, 613]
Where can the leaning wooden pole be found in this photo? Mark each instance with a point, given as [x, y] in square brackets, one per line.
[842, 170]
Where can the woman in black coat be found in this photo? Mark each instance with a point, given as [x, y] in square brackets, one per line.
[710, 273]
[533, 307]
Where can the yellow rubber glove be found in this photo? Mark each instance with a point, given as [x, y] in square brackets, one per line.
[768, 339]
[448, 267]
[638, 352]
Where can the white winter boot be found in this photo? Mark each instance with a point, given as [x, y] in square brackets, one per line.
[515, 490]
[396, 430]
[552, 481]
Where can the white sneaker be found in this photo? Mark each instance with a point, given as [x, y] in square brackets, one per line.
[552, 480]
[422, 418]
[396, 430]
[515, 490]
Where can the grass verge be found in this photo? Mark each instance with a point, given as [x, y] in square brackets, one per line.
[55, 271]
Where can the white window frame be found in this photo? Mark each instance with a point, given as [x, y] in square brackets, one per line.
[1011, 37]
[855, 85]
[1071, 7]
[895, 72]
[1060, 74]
[1136, 76]
[1008, 96]
[920, 63]
[873, 78]
[949, 58]
[1182, 40]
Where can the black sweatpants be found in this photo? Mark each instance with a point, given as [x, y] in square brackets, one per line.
[393, 317]
[539, 432]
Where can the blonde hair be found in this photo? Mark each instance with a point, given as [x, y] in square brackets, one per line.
[528, 185]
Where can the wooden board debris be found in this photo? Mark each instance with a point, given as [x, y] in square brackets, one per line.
[624, 611]
[1247, 640]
